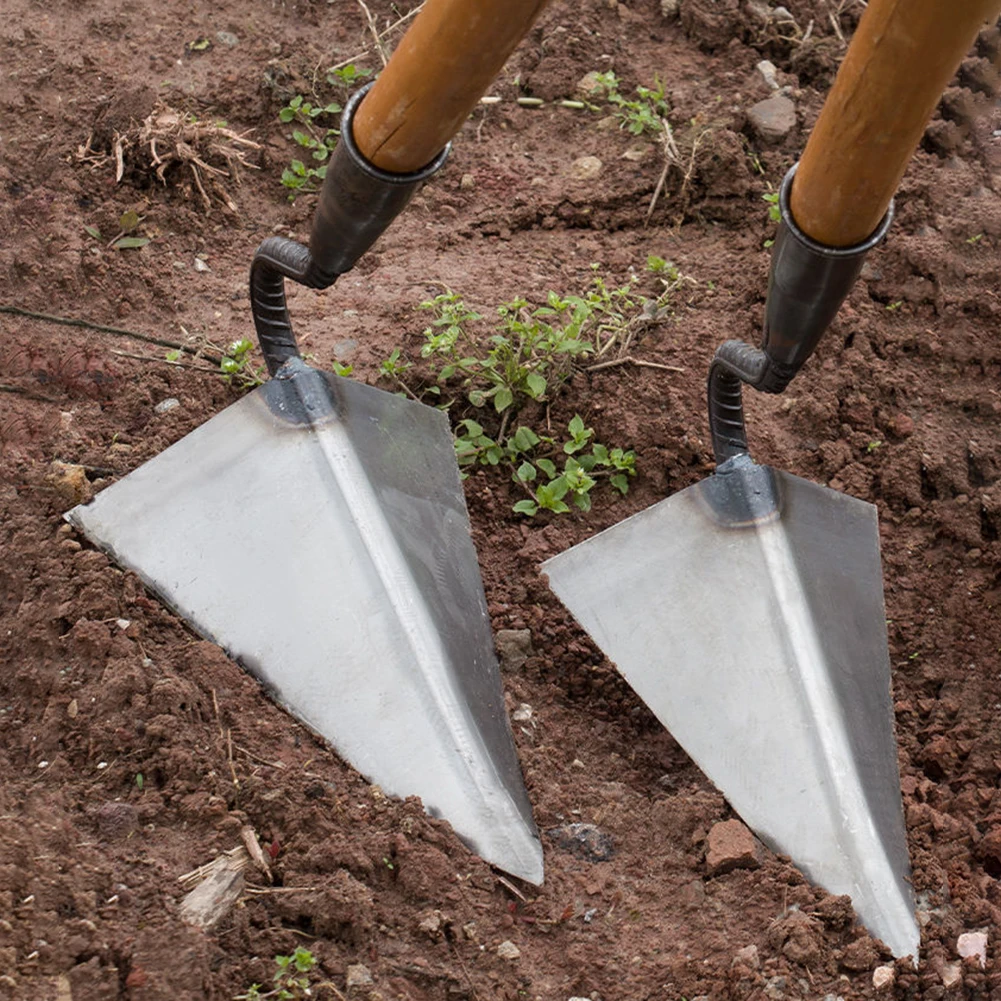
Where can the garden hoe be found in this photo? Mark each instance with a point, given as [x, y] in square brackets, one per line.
[316, 529]
[747, 610]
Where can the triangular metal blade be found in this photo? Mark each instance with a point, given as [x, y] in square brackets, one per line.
[748, 614]
[317, 531]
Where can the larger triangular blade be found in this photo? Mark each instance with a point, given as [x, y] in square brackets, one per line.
[317, 531]
[748, 614]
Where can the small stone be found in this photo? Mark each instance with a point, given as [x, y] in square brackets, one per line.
[70, 482]
[165, 406]
[586, 168]
[773, 119]
[123, 624]
[768, 71]
[469, 930]
[514, 647]
[227, 38]
[748, 956]
[952, 975]
[358, 980]
[72, 709]
[670, 8]
[588, 85]
[523, 714]
[200, 265]
[607, 124]
[430, 924]
[467, 182]
[973, 945]
[883, 977]
[731, 846]
[508, 950]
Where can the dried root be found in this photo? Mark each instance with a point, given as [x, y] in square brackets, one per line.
[168, 141]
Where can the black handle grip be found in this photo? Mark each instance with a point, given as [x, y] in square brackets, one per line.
[807, 283]
[357, 203]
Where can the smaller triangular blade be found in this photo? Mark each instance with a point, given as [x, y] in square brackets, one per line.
[317, 531]
[747, 613]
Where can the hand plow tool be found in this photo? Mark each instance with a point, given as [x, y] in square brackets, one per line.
[747, 610]
[359, 604]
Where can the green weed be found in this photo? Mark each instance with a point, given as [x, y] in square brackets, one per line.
[774, 212]
[313, 135]
[237, 367]
[514, 369]
[645, 114]
[291, 980]
[348, 76]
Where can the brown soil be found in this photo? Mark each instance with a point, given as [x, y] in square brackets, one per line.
[89, 861]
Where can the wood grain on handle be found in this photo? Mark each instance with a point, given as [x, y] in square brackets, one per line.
[898, 64]
[439, 71]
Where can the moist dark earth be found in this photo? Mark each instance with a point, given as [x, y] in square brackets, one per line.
[133, 752]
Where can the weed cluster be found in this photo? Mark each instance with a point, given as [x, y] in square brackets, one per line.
[314, 132]
[646, 114]
[315, 136]
[291, 980]
[516, 369]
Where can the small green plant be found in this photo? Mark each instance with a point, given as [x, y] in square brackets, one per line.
[976, 238]
[236, 366]
[345, 371]
[873, 446]
[347, 76]
[291, 980]
[313, 135]
[892, 307]
[774, 212]
[646, 114]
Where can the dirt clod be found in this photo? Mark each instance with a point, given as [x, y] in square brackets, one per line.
[731, 846]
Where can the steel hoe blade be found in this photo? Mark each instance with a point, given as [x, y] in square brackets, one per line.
[317, 531]
[747, 613]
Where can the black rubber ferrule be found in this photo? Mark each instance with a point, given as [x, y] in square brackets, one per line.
[357, 203]
[807, 283]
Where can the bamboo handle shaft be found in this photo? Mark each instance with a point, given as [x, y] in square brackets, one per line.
[439, 71]
[899, 62]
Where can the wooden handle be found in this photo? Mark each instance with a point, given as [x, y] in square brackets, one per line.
[440, 69]
[898, 64]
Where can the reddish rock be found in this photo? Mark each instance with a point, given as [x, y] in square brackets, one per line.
[731, 846]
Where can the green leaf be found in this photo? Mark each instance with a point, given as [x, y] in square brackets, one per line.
[576, 426]
[536, 384]
[524, 439]
[526, 507]
[286, 115]
[526, 472]
[620, 482]
[583, 501]
[130, 242]
[547, 466]
[92, 231]
[477, 397]
[503, 399]
[473, 429]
